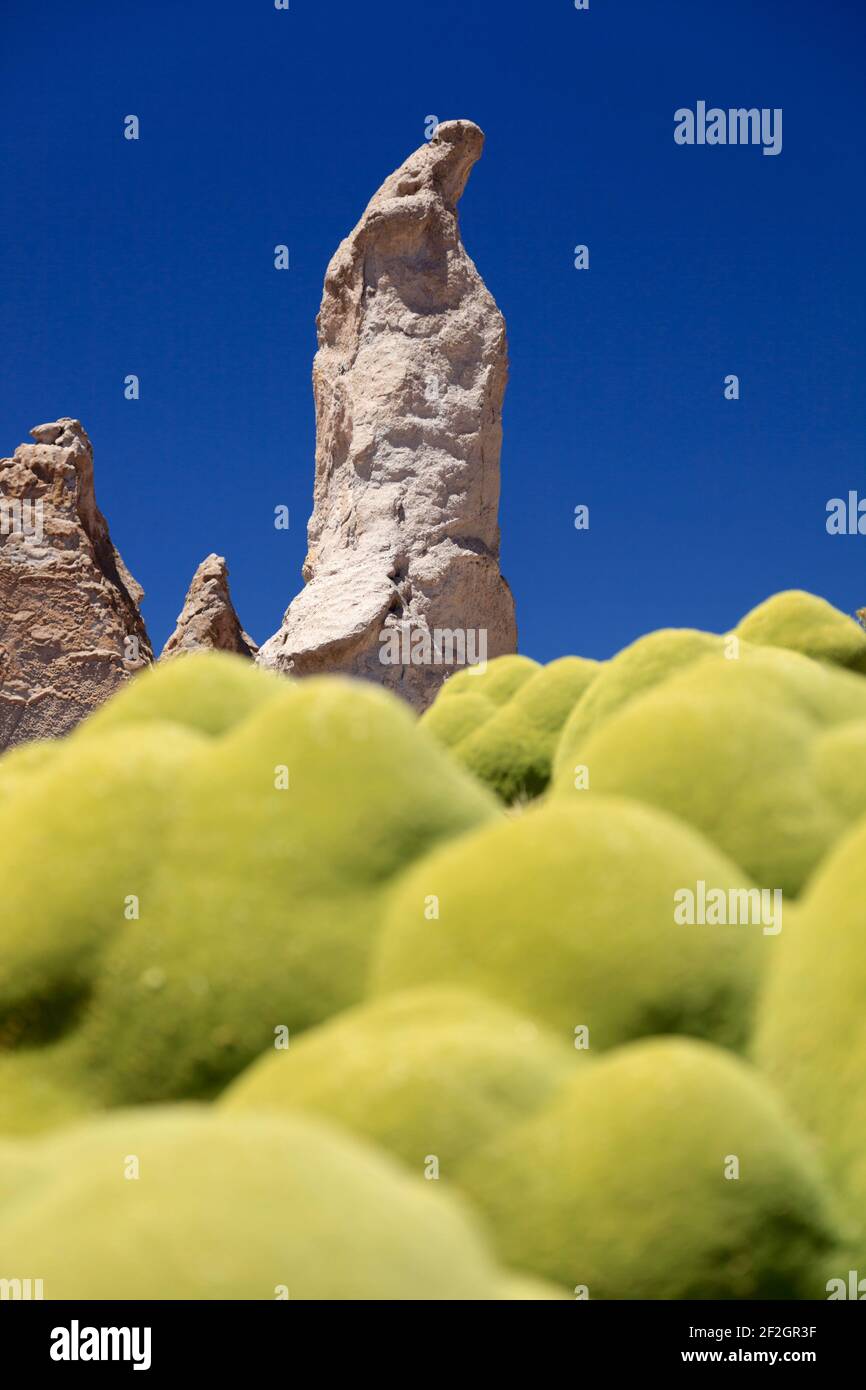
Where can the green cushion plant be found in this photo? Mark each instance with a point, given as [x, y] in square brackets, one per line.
[811, 1035]
[205, 892]
[192, 1203]
[567, 914]
[805, 623]
[509, 746]
[429, 1074]
[668, 1170]
[730, 746]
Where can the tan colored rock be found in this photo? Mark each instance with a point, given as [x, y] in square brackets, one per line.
[408, 383]
[70, 626]
[208, 621]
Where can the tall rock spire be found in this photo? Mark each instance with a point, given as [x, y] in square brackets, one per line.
[70, 626]
[408, 383]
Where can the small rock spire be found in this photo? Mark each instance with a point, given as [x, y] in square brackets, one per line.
[208, 621]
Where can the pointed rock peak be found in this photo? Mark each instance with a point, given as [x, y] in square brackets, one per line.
[208, 621]
[70, 626]
[402, 565]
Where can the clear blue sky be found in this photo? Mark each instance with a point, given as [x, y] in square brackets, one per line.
[261, 127]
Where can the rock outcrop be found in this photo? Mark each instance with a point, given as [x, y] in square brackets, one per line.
[70, 626]
[208, 621]
[408, 383]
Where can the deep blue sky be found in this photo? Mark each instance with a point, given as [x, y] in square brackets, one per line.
[260, 126]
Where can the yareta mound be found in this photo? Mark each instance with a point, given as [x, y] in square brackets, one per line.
[81, 836]
[207, 892]
[669, 1170]
[190, 1203]
[207, 691]
[804, 623]
[510, 745]
[270, 888]
[729, 746]
[429, 1074]
[567, 913]
[498, 680]
[811, 1038]
[794, 620]
[21, 761]
[638, 668]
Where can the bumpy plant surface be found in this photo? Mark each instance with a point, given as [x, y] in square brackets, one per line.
[299, 998]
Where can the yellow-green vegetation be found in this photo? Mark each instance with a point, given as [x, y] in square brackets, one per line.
[635, 670]
[18, 764]
[77, 839]
[793, 620]
[428, 1074]
[79, 843]
[497, 681]
[450, 720]
[525, 1290]
[175, 899]
[729, 746]
[40, 1088]
[667, 1170]
[303, 926]
[811, 1039]
[284, 840]
[566, 913]
[207, 691]
[805, 623]
[191, 1203]
[839, 760]
[509, 743]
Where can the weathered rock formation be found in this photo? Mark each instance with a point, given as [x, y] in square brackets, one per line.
[209, 621]
[408, 384]
[70, 627]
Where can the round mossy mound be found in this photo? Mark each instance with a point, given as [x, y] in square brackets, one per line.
[794, 620]
[79, 842]
[668, 1170]
[497, 680]
[284, 839]
[839, 762]
[20, 763]
[727, 745]
[635, 670]
[450, 720]
[568, 914]
[510, 746]
[207, 691]
[811, 1035]
[428, 1074]
[802, 622]
[188, 1203]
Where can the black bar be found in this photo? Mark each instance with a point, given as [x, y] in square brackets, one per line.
[240, 1338]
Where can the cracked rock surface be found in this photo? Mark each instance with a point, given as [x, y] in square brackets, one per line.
[70, 627]
[408, 383]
